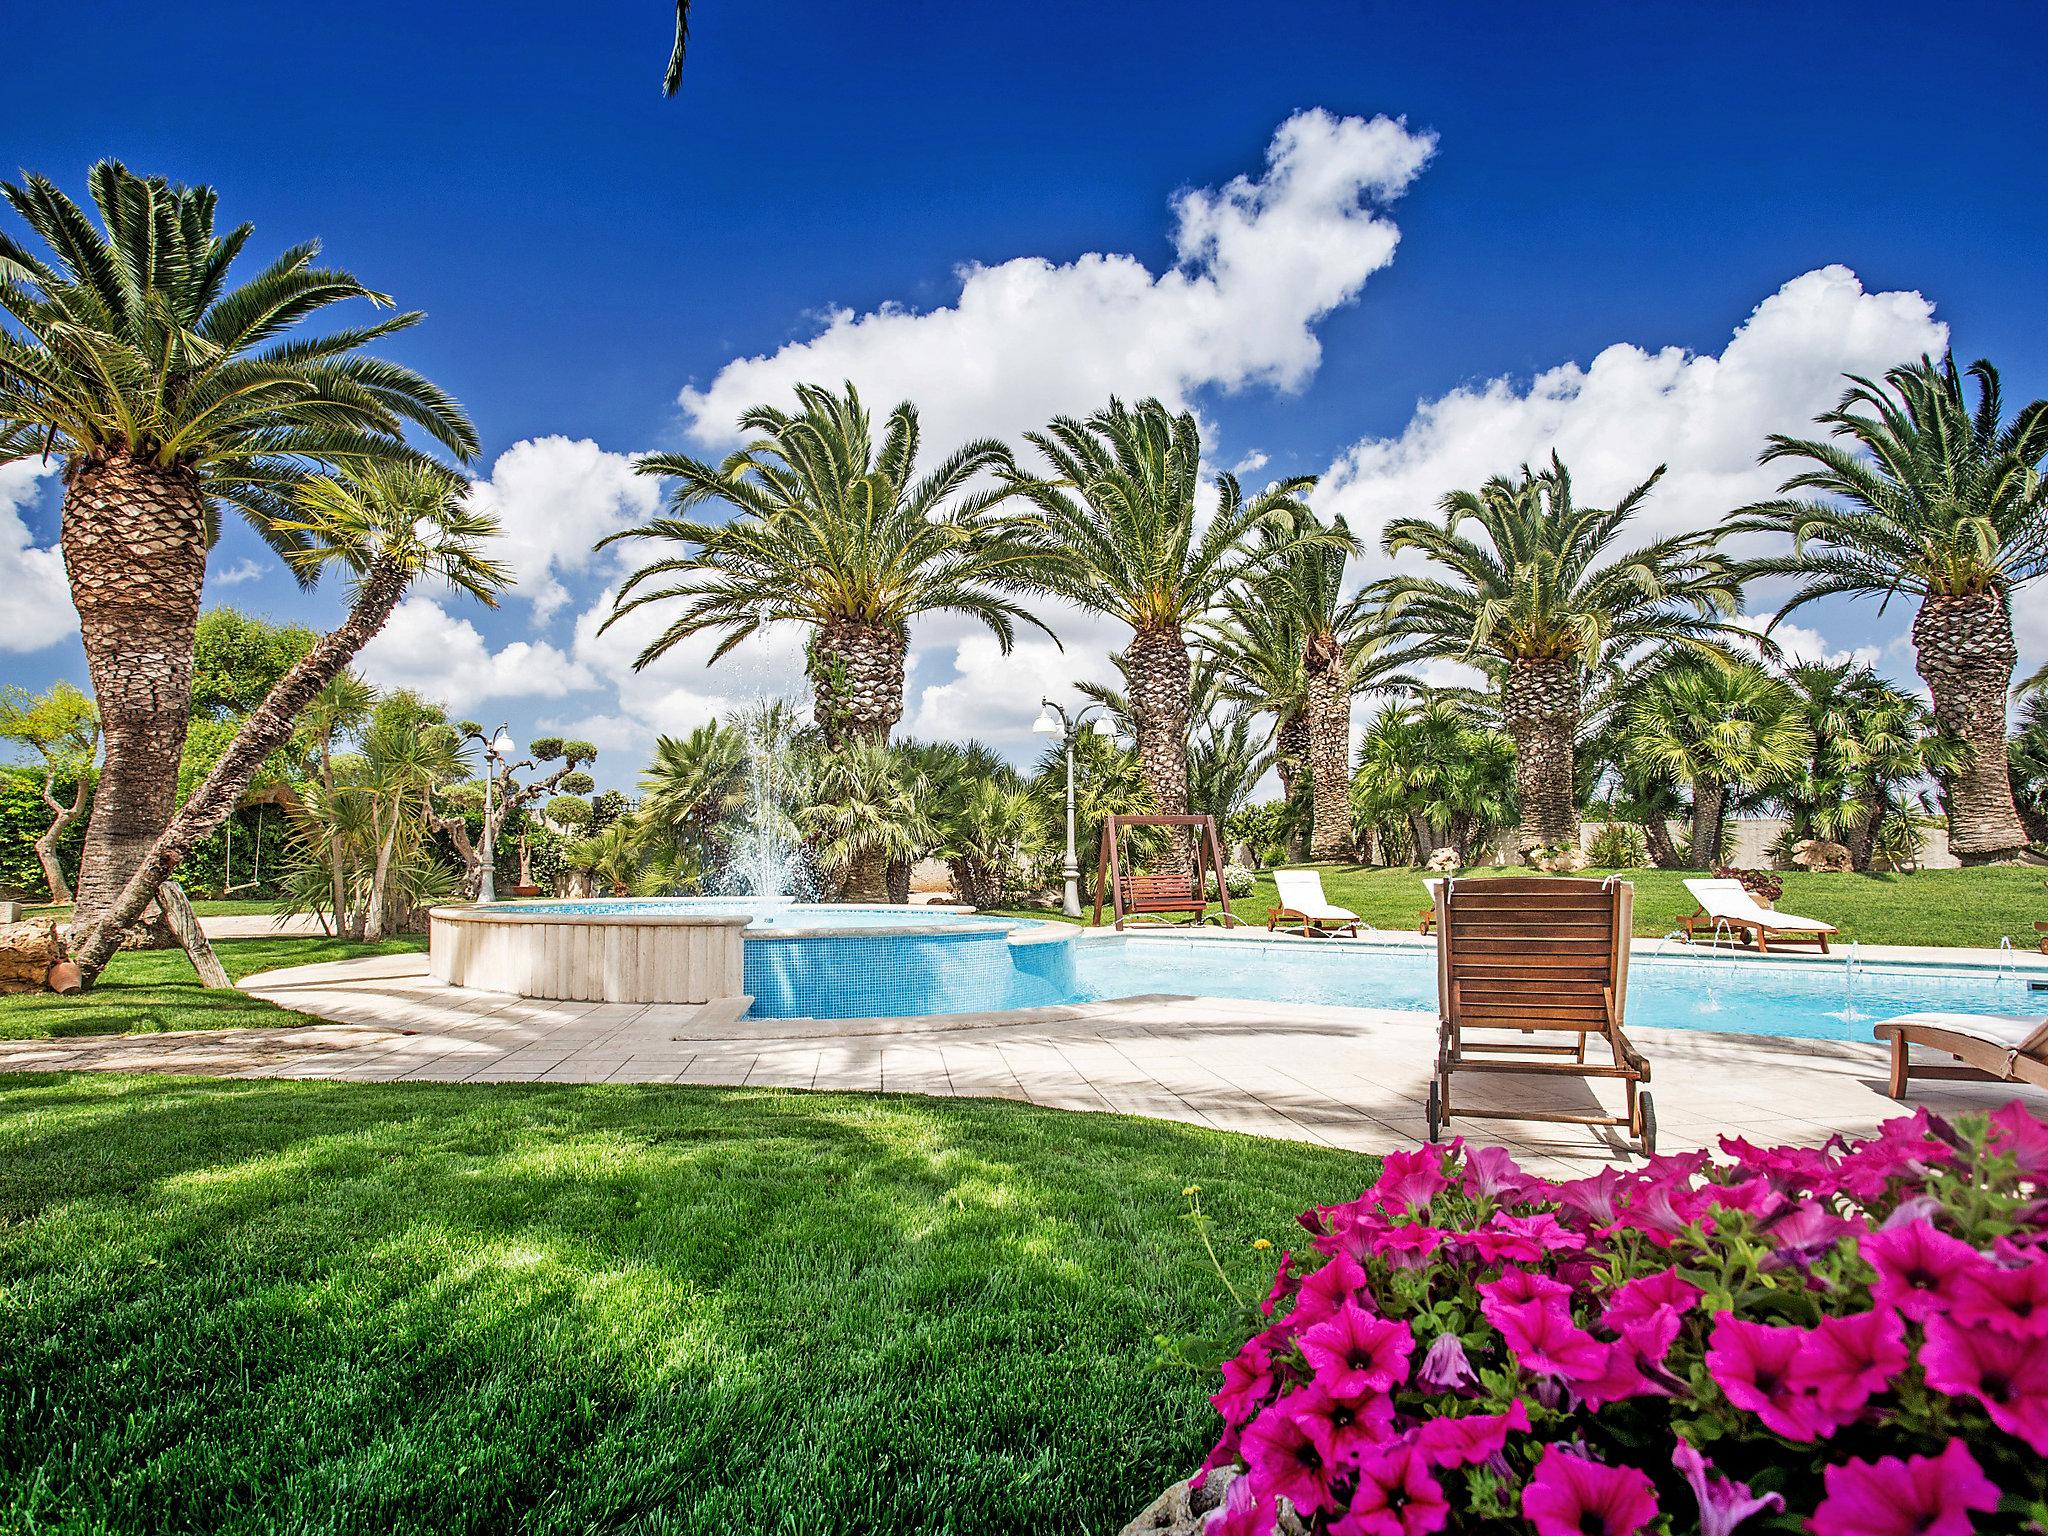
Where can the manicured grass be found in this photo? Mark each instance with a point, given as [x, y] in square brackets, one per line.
[1970, 908]
[223, 908]
[270, 1306]
[150, 991]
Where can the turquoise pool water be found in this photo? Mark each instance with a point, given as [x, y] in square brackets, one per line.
[1815, 999]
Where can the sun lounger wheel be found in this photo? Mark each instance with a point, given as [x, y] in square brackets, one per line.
[1649, 1117]
[1435, 1109]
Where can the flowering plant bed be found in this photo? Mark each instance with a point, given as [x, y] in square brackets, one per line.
[1851, 1341]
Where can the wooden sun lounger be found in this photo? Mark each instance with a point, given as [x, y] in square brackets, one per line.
[1728, 903]
[1996, 1048]
[1303, 905]
[1537, 955]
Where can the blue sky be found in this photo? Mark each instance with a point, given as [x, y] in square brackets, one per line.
[1011, 210]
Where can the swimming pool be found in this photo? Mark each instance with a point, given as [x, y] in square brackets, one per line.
[1813, 999]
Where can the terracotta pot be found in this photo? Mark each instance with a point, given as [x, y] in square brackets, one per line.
[63, 977]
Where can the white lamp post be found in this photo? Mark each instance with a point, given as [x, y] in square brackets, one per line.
[500, 747]
[1054, 721]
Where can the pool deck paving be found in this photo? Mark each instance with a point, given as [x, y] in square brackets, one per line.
[1348, 1077]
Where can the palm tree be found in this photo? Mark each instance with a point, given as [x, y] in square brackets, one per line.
[691, 796]
[868, 807]
[2029, 756]
[339, 709]
[833, 533]
[1225, 765]
[1120, 535]
[171, 398]
[1868, 739]
[1435, 773]
[388, 525]
[1261, 657]
[1717, 727]
[1921, 494]
[1545, 604]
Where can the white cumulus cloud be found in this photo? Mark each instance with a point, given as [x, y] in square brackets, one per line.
[554, 497]
[39, 611]
[445, 658]
[1258, 262]
[242, 571]
[1614, 420]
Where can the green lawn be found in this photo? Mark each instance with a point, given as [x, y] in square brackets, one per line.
[222, 908]
[149, 991]
[1964, 907]
[270, 1306]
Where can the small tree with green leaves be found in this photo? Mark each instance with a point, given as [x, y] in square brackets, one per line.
[61, 728]
[515, 788]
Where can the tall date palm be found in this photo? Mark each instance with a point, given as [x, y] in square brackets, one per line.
[1539, 597]
[173, 395]
[1922, 494]
[1121, 535]
[836, 532]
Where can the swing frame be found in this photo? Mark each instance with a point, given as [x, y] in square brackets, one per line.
[227, 858]
[1158, 898]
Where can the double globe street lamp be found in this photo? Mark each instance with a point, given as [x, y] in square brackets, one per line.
[498, 749]
[1055, 721]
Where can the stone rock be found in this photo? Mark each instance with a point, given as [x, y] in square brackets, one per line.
[1822, 855]
[1185, 1511]
[27, 951]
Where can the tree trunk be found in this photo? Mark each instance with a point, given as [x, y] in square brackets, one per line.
[1657, 840]
[177, 910]
[1157, 666]
[336, 895]
[46, 845]
[1540, 710]
[1966, 656]
[867, 877]
[1290, 749]
[134, 544]
[1859, 837]
[1329, 724]
[267, 729]
[1423, 835]
[856, 673]
[1708, 798]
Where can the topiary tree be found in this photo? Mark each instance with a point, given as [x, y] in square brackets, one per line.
[61, 726]
[466, 804]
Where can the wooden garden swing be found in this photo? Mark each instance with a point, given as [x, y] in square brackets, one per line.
[1178, 897]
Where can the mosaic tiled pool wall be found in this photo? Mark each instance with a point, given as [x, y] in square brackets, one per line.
[853, 976]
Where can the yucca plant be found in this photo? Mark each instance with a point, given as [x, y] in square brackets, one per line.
[1120, 534]
[837, 533]
[173, 395]
[1538, 595]
[1921, 494]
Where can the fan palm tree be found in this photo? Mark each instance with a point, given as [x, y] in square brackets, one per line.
[1717, 727]
[1120, 534]
[389, 524]
[172, 397]
[1919, 493]
[1225, 764]
[1436, 773]
[1868, 739]
[1539, 597]
[2028, 753]
[694, 793]
[868, 807]
[838, 534]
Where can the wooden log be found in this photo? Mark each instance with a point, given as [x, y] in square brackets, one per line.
[170, 896]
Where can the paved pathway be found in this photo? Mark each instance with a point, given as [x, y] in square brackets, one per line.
[1353, 1077]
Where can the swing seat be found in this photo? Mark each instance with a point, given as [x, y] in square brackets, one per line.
[1177, 899]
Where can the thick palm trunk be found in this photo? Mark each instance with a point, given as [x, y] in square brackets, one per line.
[1857, 839]
[1709, 797]
[1540, 710]
[1329, 722]
[1657, 840]
[856, 675]
[1157, 667]
[267, 729]
[46, 845]
[134, 544]
[1966, 656]
[1290, 749]
[867, 877]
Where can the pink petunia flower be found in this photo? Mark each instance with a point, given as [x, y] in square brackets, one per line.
[1344, 1429]
[1724, 1503]
[1242, 1512]
[1846, 1361]
[1917, 1268]
[1397, 1495]
[1408, 1181]
[1247, 1382]
[1920, 1496]
[1752, 1364]
[1789, 1169]
[1516, 1286]
[1571, 1496]
[1335, 1285]
[2008, 1376]
[2018, 1131]
[1285, 1461]
[1634, 1365]
[1546, 1342]
[1492, 1174]
[2007, 1300]
[1408, 1246]
[1596, 1197]
[1284, 1283]
[1662, 1212]
[1445, 1367]
[1807, 1230]
[1476, 1437]
[1522, 1239]
[1354, 1353]
[1638, 1298]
